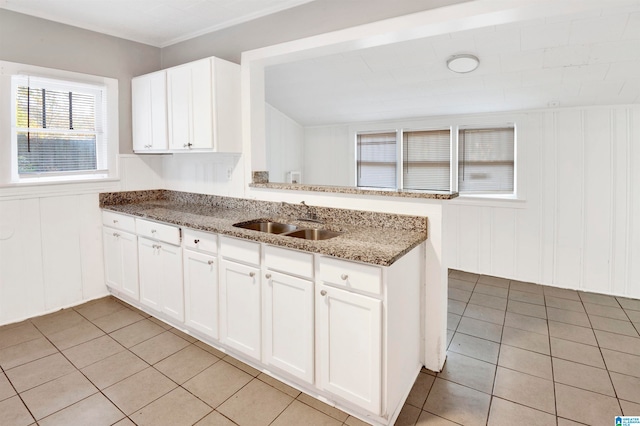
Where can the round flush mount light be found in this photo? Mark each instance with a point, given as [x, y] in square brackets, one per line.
[463, 63]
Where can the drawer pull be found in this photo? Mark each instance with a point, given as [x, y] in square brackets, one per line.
[252, 274]
[323, 293]
[210, 262]
[153, 231]
[115, 234]
[268, 276]
[344, 277]
[115, 220]
[196, 241]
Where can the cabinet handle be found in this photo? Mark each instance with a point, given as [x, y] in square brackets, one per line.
[344, 277]
[115, 220]
[210, 262]
[252, 274]
[115, 234]
[196, 241]
[153, 231]
[268, 276]
[187, 145]
[323, 293]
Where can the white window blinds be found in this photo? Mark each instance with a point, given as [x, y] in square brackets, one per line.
[427, 160]
[59, 127]
[376, 164]
[486, 160]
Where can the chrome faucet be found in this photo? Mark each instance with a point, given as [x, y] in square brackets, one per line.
[311, 216]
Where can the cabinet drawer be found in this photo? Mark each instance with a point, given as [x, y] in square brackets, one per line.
[200, 241]
[240, 250]
[119, 221]
[289, 261]
[158, 231]
[352, 275]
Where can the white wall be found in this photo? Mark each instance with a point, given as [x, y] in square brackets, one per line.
[205, 173]
[50, 235]
[34, 41]
[285, 145]
[51, 240]
[577, 224]
[579, 227]
[328, 156]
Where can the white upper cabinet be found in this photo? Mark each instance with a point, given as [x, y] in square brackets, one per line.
[149, 106]
[190, 107]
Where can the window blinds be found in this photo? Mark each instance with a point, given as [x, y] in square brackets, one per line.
[376, 163]
[427, 160]
[486, 160]
[59, 127]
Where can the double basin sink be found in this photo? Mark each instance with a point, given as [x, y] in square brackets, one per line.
[288, 230]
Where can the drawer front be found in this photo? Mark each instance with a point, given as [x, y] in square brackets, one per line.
[289, 261]
[242, 251]
[200, 241]
[158, 231]
[351, 275]
[119, 221]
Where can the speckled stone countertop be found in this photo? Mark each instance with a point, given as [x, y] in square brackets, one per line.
[370, 237]
[405, 193]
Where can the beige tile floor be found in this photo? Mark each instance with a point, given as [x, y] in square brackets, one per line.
[518, 354]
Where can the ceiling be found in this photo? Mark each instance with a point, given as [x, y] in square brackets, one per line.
[591, 58]
[158, 23]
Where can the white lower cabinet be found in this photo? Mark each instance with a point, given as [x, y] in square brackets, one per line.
[350, 346]
[346, 331]
[160, 268]
[201, 292]
[288, 324]
[240, 307]
[121, 261]
[240, 326]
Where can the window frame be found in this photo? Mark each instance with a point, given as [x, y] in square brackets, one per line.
[398, 176]
[463, 123]
[9, 175]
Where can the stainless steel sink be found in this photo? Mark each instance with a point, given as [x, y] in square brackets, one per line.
[314, 234]
[266, 226]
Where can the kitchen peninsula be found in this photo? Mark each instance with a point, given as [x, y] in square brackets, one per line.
[325, 316]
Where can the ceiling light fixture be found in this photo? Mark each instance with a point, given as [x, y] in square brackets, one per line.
[463, 63]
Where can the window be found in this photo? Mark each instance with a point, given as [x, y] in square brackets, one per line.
[486, 160]
[376, 163]
[59, 127]
[484, 164]
[427, 160]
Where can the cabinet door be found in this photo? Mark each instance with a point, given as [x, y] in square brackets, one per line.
[201, 292]
[161, 285]
[150, 268]
[172, 285]
[288, 324]
[240, 307]
[189, 102]
[121, 261]
[149, 105]
[202, 114]
[129, 248]
[112, 258]
[179, 106]
[349, 340]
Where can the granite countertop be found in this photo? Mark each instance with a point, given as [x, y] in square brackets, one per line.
[369, 237]
[403, 193]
